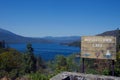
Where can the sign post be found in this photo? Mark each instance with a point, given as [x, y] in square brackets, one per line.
[98, 47]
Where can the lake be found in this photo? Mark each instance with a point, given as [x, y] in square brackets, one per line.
[47, 51]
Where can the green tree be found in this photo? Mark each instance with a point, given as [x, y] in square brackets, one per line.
[73, 63]
[10, 63]
[59, 64]
[39, 76]
[62, 63]
[31, 58]
[28, 61]
[40, 65]
[117, 64]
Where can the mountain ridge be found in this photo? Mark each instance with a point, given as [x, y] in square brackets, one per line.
[109, 33]
[11, 37]
[106, 33]
[64, 39]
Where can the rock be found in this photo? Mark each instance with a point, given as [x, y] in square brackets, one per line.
[81, 76]
[5, 78]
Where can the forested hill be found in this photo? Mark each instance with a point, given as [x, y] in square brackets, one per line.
[107, 33]
[63, 39]
[10, 37]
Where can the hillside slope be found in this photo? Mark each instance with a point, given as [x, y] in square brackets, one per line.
[10, 37]
[109, 33]
[106, 33]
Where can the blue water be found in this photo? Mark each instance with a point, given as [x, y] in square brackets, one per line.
[47, 51]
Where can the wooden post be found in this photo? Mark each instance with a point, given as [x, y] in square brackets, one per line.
[83, 65]
[113, 63]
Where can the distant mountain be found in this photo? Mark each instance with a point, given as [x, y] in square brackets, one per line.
[75, 43]
[66, 39]
[10, 37]
[107, 33]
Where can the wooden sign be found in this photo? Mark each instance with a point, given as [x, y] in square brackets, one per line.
[100, 47]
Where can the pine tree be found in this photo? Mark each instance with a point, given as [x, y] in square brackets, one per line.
[31, 58]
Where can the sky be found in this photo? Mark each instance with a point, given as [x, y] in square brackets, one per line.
[39, 18]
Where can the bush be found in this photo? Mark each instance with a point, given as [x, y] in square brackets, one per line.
[39, 76]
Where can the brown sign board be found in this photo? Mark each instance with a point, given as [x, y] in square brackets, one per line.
[98, 47]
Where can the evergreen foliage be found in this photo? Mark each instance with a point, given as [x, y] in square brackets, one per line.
[39, 76]
[14, 63]
[10, 63]
[62, 63]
